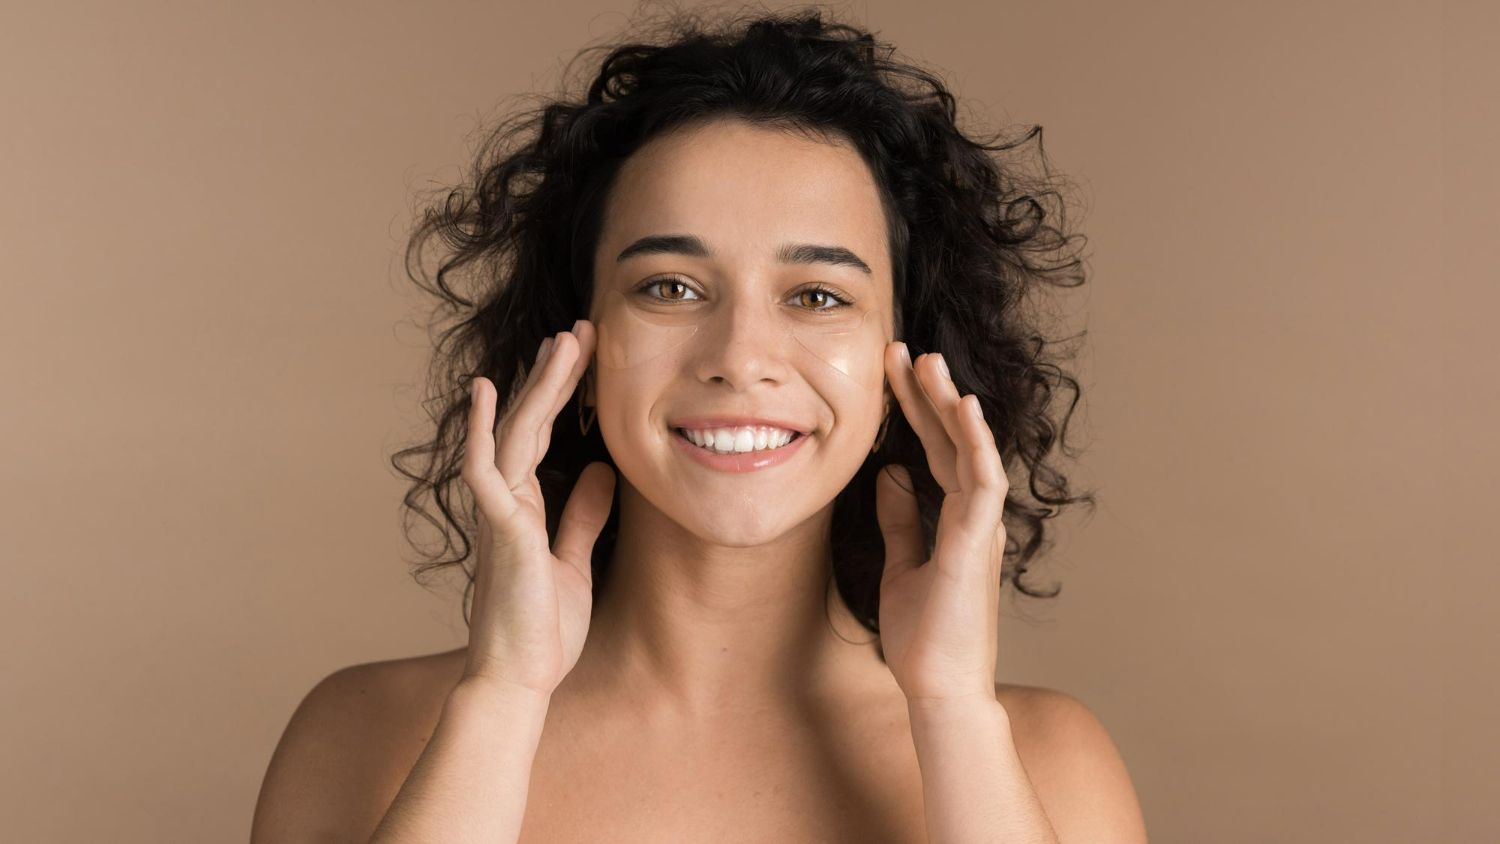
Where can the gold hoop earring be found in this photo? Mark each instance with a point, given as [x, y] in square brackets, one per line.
[880, 437]
[583, 427]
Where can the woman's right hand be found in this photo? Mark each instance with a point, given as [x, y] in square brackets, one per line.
[531, 604]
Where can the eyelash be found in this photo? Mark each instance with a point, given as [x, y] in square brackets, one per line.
[814, 288]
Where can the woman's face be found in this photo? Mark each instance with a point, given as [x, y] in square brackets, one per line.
[762, 290]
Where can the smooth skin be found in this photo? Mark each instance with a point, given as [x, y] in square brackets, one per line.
[1070, 758]
[939, 618]
[532, 604]
[715, 624]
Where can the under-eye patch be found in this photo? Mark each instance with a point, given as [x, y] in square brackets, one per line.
[634, 331]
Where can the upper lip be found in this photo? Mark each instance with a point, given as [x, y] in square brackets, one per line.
[700, 423]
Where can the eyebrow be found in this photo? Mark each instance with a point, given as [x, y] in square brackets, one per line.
[788, 253]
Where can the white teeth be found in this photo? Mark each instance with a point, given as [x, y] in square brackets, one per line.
[739, 440]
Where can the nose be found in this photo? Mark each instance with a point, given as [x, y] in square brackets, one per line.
[743, 343]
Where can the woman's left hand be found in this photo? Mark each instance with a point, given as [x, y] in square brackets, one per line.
[939, 618]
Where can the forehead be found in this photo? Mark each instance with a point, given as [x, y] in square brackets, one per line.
[745, 190]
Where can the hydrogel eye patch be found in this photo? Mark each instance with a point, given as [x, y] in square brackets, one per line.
[849, 340]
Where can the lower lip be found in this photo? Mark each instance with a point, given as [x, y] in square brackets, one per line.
[750, 461]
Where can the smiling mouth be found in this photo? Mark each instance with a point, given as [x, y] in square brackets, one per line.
[796, 435]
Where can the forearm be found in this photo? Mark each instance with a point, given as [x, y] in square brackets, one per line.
[471, 781]
[973, 784]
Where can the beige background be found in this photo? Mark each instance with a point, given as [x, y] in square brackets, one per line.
[1283, 609]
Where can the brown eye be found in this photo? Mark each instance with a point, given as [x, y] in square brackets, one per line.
[668, 281]
[820, 298]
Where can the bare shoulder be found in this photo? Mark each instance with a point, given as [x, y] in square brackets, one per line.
[348, 747]
[1074, 765]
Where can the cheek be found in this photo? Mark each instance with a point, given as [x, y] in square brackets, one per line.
[856, 409]
[852, 366]
[626, 400]
[852, 351]
[630, 337]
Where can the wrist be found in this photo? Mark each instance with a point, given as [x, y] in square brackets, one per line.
[958, 708]
[491, 693]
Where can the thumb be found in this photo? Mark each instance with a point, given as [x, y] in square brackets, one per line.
[584, 516]
[900, 520]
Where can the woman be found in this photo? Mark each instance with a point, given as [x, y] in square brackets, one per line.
[753, 232]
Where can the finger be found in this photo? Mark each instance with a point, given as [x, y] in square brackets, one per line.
[583, 517]
[583, 333]
[900, 520]
[921, 415]
[941, 392]
[544, 351]
[522, 450]
[904, 384]
[921, 411]
[979, 466]
[938, 385]
[988, 468]
[985, 475]
[504, 428]
[980, 471]
[478, 469]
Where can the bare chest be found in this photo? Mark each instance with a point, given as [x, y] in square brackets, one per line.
[783, 782]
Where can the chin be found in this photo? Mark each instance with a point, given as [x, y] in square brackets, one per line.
[741, 526]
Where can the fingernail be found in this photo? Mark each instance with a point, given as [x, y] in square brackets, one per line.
[576, 324]
[943, 365]
[906, 354]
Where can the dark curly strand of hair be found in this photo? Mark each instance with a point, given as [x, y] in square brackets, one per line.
[971, 242]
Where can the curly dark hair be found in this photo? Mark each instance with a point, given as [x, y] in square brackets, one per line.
[971, 238]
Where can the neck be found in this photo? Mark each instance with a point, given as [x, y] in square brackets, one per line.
[694, 630]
